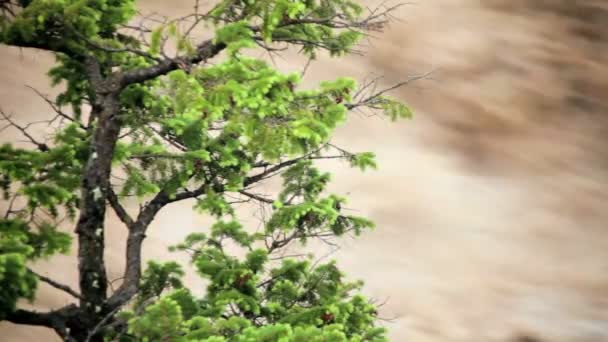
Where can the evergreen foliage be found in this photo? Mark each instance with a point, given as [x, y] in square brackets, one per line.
[206, 122]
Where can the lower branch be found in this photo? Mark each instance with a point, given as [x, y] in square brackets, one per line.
[27, 317]
[55, 319]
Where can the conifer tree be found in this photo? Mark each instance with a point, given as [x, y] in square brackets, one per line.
[152, 113]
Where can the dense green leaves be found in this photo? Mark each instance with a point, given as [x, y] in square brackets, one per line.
[363, 160]
[21, 242]
[296, 299]
[57, 24]
[299, 302]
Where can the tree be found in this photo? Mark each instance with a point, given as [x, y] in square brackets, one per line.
[150, 113]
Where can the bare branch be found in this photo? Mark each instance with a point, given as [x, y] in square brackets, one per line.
[23, 129]
[376, 97]
[403, 83]
[11, 203]
[120, 211]
[256, 197]
[55, 108]
[270, 171]
[305, 69]
[57, 285]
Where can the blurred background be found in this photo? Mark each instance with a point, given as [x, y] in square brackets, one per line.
[490, 204]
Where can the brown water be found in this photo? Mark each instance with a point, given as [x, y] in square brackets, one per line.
[490, 204]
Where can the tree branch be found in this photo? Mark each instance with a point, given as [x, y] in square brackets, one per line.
[55, 108]
[120, 211]
[137, 234]
[376, 97]
[204, 51]
[256, 197]
[41, 146]
[57, 285]
[27, 317]
[269, 171]
[52, 319]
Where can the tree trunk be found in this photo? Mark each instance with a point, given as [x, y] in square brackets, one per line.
[90, 227]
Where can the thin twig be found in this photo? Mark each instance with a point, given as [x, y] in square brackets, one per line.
[23, 129]
[55, 107]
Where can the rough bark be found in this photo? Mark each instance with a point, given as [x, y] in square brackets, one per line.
[94, 188]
